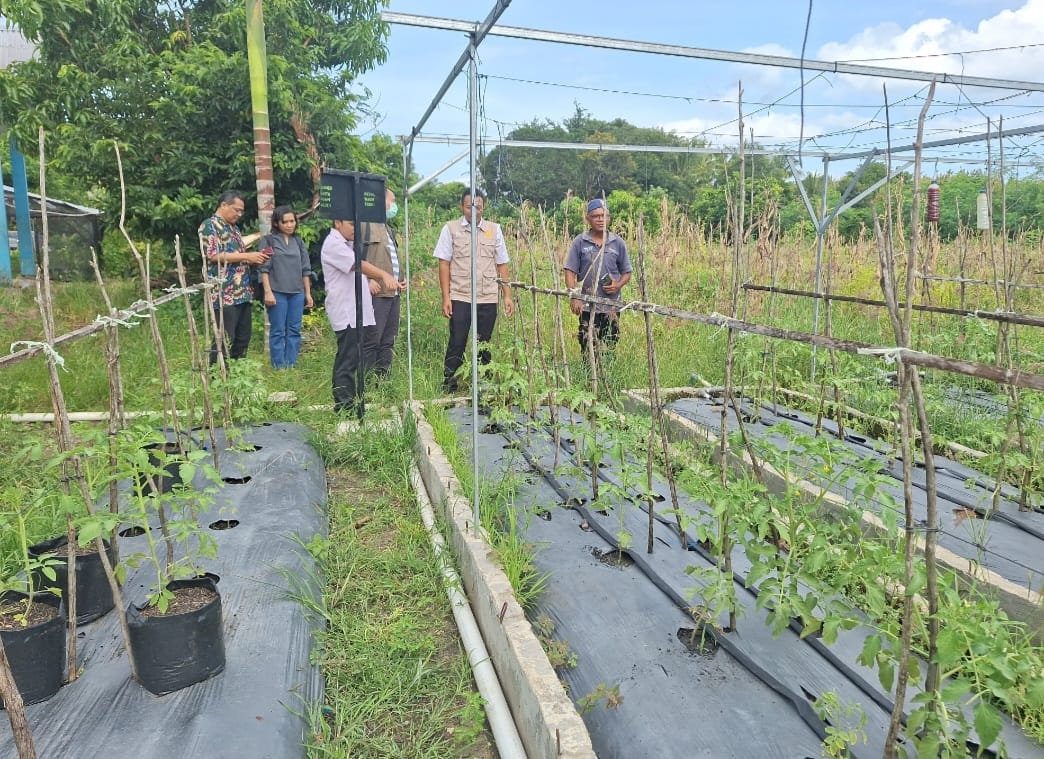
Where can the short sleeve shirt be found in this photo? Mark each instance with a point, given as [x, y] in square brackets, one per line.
[583, 259]
[218, 237]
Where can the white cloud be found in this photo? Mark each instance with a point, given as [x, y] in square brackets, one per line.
[893, 46]
[771, 128]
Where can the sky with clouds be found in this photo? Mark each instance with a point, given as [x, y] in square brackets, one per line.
[522, 80]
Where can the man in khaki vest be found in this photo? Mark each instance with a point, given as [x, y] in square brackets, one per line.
[454, 253]
[382, 252]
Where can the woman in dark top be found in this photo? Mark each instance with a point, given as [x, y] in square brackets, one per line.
[286, 279]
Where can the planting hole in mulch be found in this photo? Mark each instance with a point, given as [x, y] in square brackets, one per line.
[184, 601]
[614, 557]
[698, 640]
[236, 480]
[13, 615]
[249, 448]
[962, 513]
[132, 532]
[224, 524]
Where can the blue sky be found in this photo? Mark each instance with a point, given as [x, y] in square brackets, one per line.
[523, 80]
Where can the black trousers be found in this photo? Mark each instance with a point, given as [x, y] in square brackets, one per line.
[346, 367]
[606, 331]
[459, 329]
[238, 320]
[381, 339]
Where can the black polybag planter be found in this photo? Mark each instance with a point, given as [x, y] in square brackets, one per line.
[93, 592]
[37, 653]
[164, 483]
[174, 651]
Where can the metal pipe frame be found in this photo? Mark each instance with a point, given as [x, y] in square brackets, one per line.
[682, 51]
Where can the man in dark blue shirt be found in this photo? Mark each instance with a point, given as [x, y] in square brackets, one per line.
[598, 261]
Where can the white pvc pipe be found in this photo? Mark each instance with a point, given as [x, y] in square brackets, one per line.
[501, 723]
[74, 416]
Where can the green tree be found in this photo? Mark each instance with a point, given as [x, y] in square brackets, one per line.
[544, 176]
[169, 82]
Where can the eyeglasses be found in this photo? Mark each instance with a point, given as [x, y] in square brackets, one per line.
[596, 216]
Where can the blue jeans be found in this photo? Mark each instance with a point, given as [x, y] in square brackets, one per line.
[284, 337]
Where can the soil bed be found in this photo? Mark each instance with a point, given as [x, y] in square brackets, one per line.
[13, 615]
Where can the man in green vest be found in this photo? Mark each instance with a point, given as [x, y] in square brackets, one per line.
[381, 251]
[453, 251]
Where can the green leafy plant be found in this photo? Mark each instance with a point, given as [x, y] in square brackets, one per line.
[845, 724]
[167, 516]
[609, 695]
[15, 514]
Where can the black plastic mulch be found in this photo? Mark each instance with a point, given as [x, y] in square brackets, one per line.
[257, 707]
[646, 686]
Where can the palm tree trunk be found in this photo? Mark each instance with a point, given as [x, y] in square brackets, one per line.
[257, 57]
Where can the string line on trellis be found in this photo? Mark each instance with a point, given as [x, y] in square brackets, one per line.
[907, 356]
[37, 346]
[1007, 317]
[138, 309]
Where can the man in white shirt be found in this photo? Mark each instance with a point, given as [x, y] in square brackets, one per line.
[454, 253]
[338, 257]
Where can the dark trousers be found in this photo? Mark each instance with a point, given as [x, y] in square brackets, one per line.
[459, 329]
[606, 332]
[381, 339]
[238, 322]
[346, 367]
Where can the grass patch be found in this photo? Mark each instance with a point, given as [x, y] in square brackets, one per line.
[397, 682]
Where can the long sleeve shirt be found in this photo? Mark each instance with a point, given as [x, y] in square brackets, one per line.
[338, 257]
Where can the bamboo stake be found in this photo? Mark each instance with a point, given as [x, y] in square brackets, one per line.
[117, 421]
[558, 340]
[906, 631]
[213, 326]
[64, 436]
[168, 401]
[932, 678]
[538, 346]
[657, 427]
[45, 303]
[1004, 356]
[828, 330]
[910, 389]
[199, 359]
[725, 559]
[15, 706]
